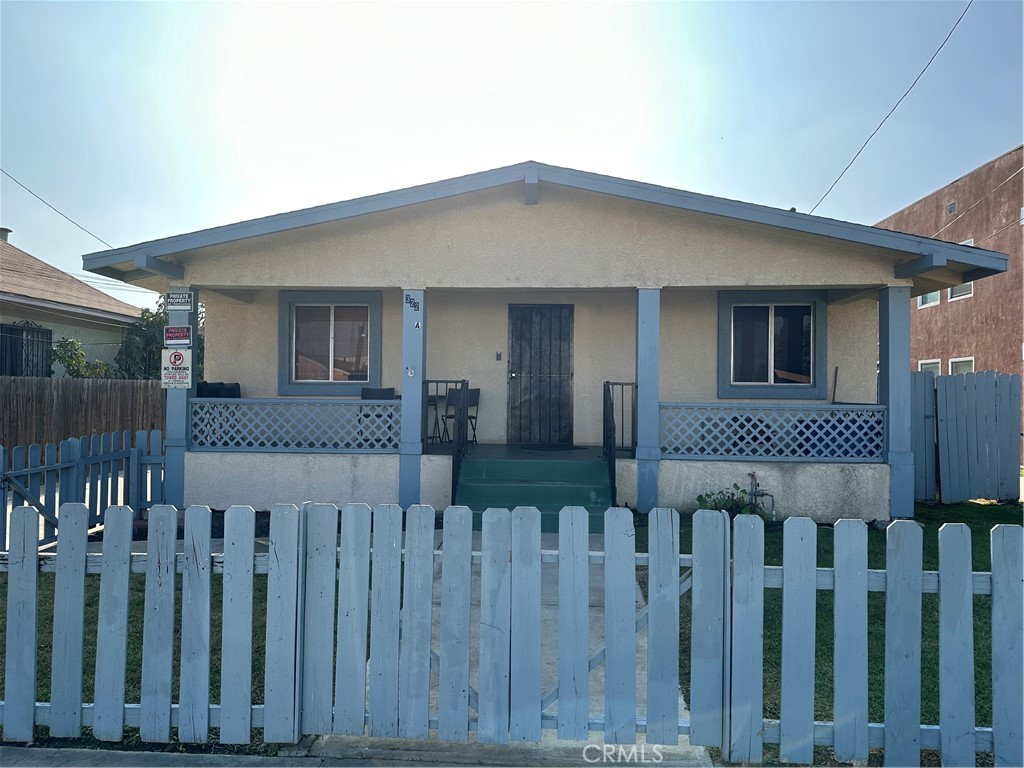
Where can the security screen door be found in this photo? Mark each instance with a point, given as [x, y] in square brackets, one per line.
[540, 374]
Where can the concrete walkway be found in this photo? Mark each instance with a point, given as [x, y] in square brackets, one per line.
[338, 750]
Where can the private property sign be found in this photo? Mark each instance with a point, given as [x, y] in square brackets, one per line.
[176, 368]
[177, 335]
[178, 301]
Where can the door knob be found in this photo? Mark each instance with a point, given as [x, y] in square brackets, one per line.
[512, 375]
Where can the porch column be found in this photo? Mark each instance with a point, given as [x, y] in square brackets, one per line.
[176, 428]
[894, 393]
[414, 361]
[648, 428]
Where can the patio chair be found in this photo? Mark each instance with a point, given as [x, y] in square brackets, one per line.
[452, 401]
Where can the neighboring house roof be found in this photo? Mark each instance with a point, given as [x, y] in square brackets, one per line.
[30, 282]
[923, 256]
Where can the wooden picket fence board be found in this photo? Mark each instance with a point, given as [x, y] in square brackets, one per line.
[100, 471]
[310, 569]
[973, 422]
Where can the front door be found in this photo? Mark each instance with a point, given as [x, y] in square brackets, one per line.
[540, 374]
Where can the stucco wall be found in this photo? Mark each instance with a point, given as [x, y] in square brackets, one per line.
[100, 340]
[467, 330]
[242, 343]
[261, 480]
[824, 492]
[570, 239]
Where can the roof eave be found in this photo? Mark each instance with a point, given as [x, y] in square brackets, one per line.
[145, 258]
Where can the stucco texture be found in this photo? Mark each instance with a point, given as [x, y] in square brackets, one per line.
[261, 480]
[823, 492]
[570, 239]
[101, 339]
[468, 330]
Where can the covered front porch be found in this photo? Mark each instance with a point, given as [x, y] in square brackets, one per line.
[624, 377]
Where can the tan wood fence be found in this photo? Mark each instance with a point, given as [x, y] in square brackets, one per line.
[38, 410]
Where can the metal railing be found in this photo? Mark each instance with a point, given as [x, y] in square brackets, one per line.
[460, 434]
[744, 431]
[618, 425]
[305, 425]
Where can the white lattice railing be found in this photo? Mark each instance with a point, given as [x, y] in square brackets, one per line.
[820, 433]
[294, 425]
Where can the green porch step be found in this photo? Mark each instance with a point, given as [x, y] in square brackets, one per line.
[548, 485]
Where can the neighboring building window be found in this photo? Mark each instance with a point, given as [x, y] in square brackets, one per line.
[935, 366]
[331, 342]
[961, 365]
[951, 208]
[771, 344]
[25, 350]
[964, 290]
[928, 299]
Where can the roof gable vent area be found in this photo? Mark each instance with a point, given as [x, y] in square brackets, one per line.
[951, 208]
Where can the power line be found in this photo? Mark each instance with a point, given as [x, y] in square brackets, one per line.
[1001, 229]
[869, 138]
[37, 197]
[983, 198]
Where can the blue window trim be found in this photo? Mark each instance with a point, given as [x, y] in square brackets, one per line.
[286, 302]
[816, 391]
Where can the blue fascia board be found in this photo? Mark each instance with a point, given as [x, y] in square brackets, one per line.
[524, 172]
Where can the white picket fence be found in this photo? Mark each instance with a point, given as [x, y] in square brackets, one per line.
[323, 675]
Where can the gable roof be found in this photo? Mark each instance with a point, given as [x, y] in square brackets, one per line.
[923, 254]
[26, 280]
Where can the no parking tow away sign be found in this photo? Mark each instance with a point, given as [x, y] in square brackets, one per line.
[176, 368]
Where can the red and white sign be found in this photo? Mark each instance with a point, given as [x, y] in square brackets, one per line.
[176, 368]
[177, 335]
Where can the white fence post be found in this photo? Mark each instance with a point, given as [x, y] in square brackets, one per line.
[903, 551]
[22, 627]
[711, 630]
[746, 704]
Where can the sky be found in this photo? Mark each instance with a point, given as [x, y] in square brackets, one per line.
[141, 120]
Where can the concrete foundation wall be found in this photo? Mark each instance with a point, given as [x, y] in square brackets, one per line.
[824, 492]
[261, 480]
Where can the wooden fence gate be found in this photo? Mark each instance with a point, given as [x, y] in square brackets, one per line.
[966, 436]
[96, 470]
[403, 678]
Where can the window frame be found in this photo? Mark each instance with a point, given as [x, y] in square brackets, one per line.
[287, 301]
[960, 360]
[921, 303]
[817, 390]
[935, 361]
[969, 283]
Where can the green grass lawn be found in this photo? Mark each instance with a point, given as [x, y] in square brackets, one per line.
[980, 518]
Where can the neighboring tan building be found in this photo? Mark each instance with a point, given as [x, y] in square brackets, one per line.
[976, 326]
[40, 304]
[759, 341]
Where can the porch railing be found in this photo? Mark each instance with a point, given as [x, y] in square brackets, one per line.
[618, 425]
[460, 435]
[744, 431]
[294, 425]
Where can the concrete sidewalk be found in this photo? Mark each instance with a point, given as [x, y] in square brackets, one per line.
[358, 751]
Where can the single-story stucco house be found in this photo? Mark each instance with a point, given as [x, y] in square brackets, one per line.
[750, 340]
